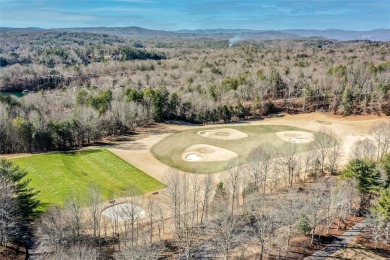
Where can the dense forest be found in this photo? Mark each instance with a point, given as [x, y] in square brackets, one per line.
[84, 86]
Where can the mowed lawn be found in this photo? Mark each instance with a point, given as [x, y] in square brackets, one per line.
[59, 174]
[169, 150]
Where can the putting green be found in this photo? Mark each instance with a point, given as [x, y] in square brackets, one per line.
[170, 150]
[56, 175]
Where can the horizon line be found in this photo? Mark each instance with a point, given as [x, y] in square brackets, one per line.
[79, 27]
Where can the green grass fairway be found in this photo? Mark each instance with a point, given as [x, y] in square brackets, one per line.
[56, 175]
[170, 149]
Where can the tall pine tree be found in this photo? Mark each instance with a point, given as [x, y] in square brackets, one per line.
[386, 166]
[347, 101]
[16, 191]
[383, 206]
[368, 179]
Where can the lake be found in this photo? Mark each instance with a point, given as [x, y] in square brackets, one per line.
[15, 94]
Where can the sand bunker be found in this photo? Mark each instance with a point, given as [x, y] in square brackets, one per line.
[296, 137]
[207, 153]
[123, 212]
[223, 134]
[193, 157]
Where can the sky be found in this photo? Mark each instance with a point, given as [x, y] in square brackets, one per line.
[198, 14]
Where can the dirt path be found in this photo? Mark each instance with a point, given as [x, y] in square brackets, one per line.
[339, 243]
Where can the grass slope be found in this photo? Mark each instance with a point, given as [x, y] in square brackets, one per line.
[170, 149]
[57, 175]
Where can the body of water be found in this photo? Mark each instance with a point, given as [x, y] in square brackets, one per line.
[15, 94]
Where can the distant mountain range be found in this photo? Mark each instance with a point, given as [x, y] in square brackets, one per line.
[341, 35]
[237, 34]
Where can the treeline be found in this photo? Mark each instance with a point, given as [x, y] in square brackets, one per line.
[41, 122]
[31, 128]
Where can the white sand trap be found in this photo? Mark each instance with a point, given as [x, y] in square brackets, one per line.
[223, 134]
[193, 157]
[296, 137]
[207, 153]
[123, 212]
[298, 140]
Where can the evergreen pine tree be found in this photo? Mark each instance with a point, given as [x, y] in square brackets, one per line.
[368, 179]
[18, 204]
[25, 195]
[383, 207]
[347, 101]
[386, 166]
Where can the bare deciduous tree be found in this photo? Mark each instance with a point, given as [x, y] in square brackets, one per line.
[289, 161]
[94, 211]
[234, 182]
[263, 221]
[175, 196]
[223, 227]
[316, 206]
[335, 154]
[289, 213]
[364, 149]
[207, 195]
[260, 165]
[381, 135]
[324, 141]
[376, 224]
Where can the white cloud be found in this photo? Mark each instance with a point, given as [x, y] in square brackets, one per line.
[333, 12]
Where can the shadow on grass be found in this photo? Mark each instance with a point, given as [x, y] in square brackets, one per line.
[123, 139]
[103, 144]
[133, 147]
[42, 208]
[81, 152]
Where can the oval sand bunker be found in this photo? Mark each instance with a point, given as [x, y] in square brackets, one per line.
[207, 153]
[123, 212]
[223, 134]
[193, 157]
[297, 137]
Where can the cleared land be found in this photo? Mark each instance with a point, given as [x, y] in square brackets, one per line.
[57, 175]
[170, 150]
